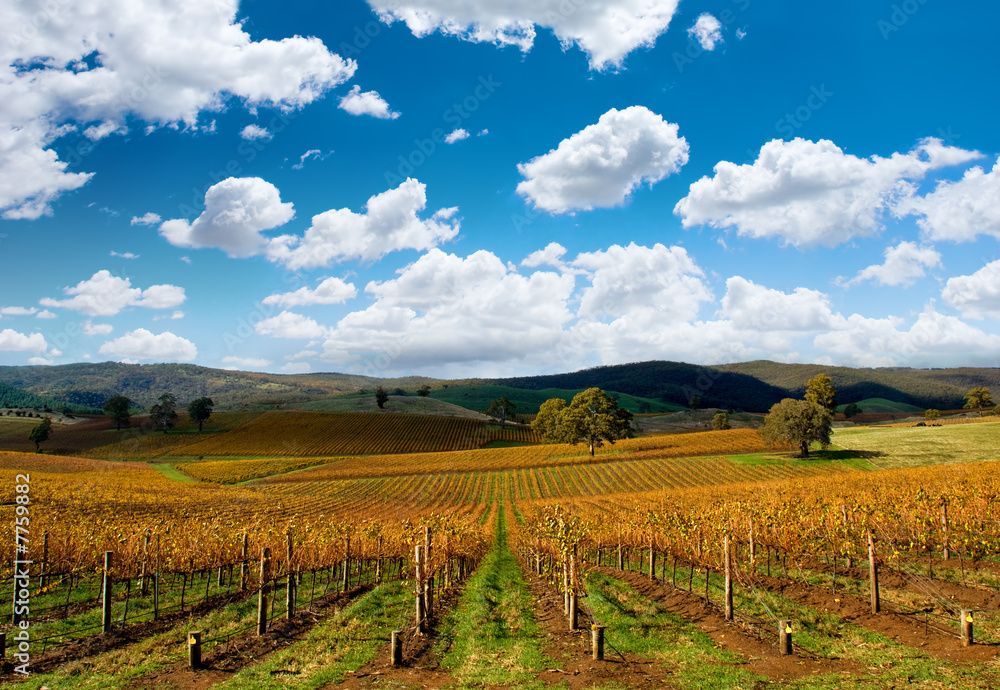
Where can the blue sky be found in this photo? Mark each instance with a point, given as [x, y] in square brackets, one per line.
[481, 188]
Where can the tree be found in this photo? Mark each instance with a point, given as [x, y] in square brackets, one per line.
[592, 418]
[819, 390]
[695, 402]
[501, 409]
[118, 409]
[40, 434]
[199, 410]
[797, 421]
[164, 413]
[851, 410]
[720, 422]
[645, 407]
[398, 391]
[931, 414]
[424, 391]
[977, 399]
[381, 397]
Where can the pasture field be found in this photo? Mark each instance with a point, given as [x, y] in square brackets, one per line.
[342, 531]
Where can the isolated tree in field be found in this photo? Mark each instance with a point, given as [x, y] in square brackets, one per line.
[797, 421]
[381, 397]
[424, 391]
[40, 434]
[200, 410]
[977, 399]
[695, 402]
[931, 414]
[501, 409]
[164, 413]
[592, 418]
[118, 409]
[720, 422]
[819, 390]
[851, 410]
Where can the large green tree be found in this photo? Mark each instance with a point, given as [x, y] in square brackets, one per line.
[978, 398]
[118, 408]
[40, 434]
[381, 397]
[799, 422]
[200, 410]
[819, 390]
[501, 409]
[164, 413]
[720, 422]
[592, 418]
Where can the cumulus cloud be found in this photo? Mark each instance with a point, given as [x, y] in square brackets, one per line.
[46, 314]
[606, 30]
[754, 307]
[290, 325]
[146, 219]
[600, 166]
[252, 132]
[311, 153]
[90, 328]
[296, 368]
[13, 341]
[18, 311]
[163, 64]
[124, 255]
[237, 211]
[457, 135]
[106, 295]
[141, 344]
[245, 362]
[40, 361]
[390, 222]
[808, 193]
[550, 256]
[977, 295]
[366, 103]
[962, 210]
[330, 291]
[903, 264]
[707, 30]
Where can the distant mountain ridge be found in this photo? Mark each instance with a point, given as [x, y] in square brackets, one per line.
[750, 386]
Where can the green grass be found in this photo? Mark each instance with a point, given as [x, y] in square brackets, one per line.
[528, 401]
[637, 625]
[833, 456]
[883, 405]
[891, 447]
[171, 472]
[491, 638]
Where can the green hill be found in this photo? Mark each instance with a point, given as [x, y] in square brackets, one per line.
[12, 397]
[883, 405]
[477, 397]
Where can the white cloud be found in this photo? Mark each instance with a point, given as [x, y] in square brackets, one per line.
[96, 328]
[251, 132]
[163, 64]
[141, 344]
[106, 295]
[977, 295]
[552, 255]
[330, 291]
[457, 135]
[40, 362]
[125, 255]
[903, 264]
[149, 218]
[390, 223]
[483, 132]
[237, 211]
[311, 153]
[12, 341]
[46, 314]
[962, 210]
[290, 325]
[606, 30]
[246, 362]
[186, 259]
[740, 34]
[707, 30]
[367, 103]
[808, 193]
[18, 311]
[296, 368]
[603, 164]
[756, 308]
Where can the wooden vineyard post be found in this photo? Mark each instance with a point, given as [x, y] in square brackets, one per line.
[418, 576]
[143, 585]
[194, 649]
[946, 551]
[265, 577]
[729, 579]
[565, 574]
[290, 585]
[347, 564]
[843, 513]
[106, 590]
[244, 566]
[378, 562]
[597, 642]
[652, 561]
[396, 649]
[965, 627]
[428, 575]
[785, 637]
[753, 549]
[572, 587]
[621, 560]
[156, 596]
[873, 574]
[45, 560]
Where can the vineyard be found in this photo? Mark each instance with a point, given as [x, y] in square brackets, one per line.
[304, 434]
